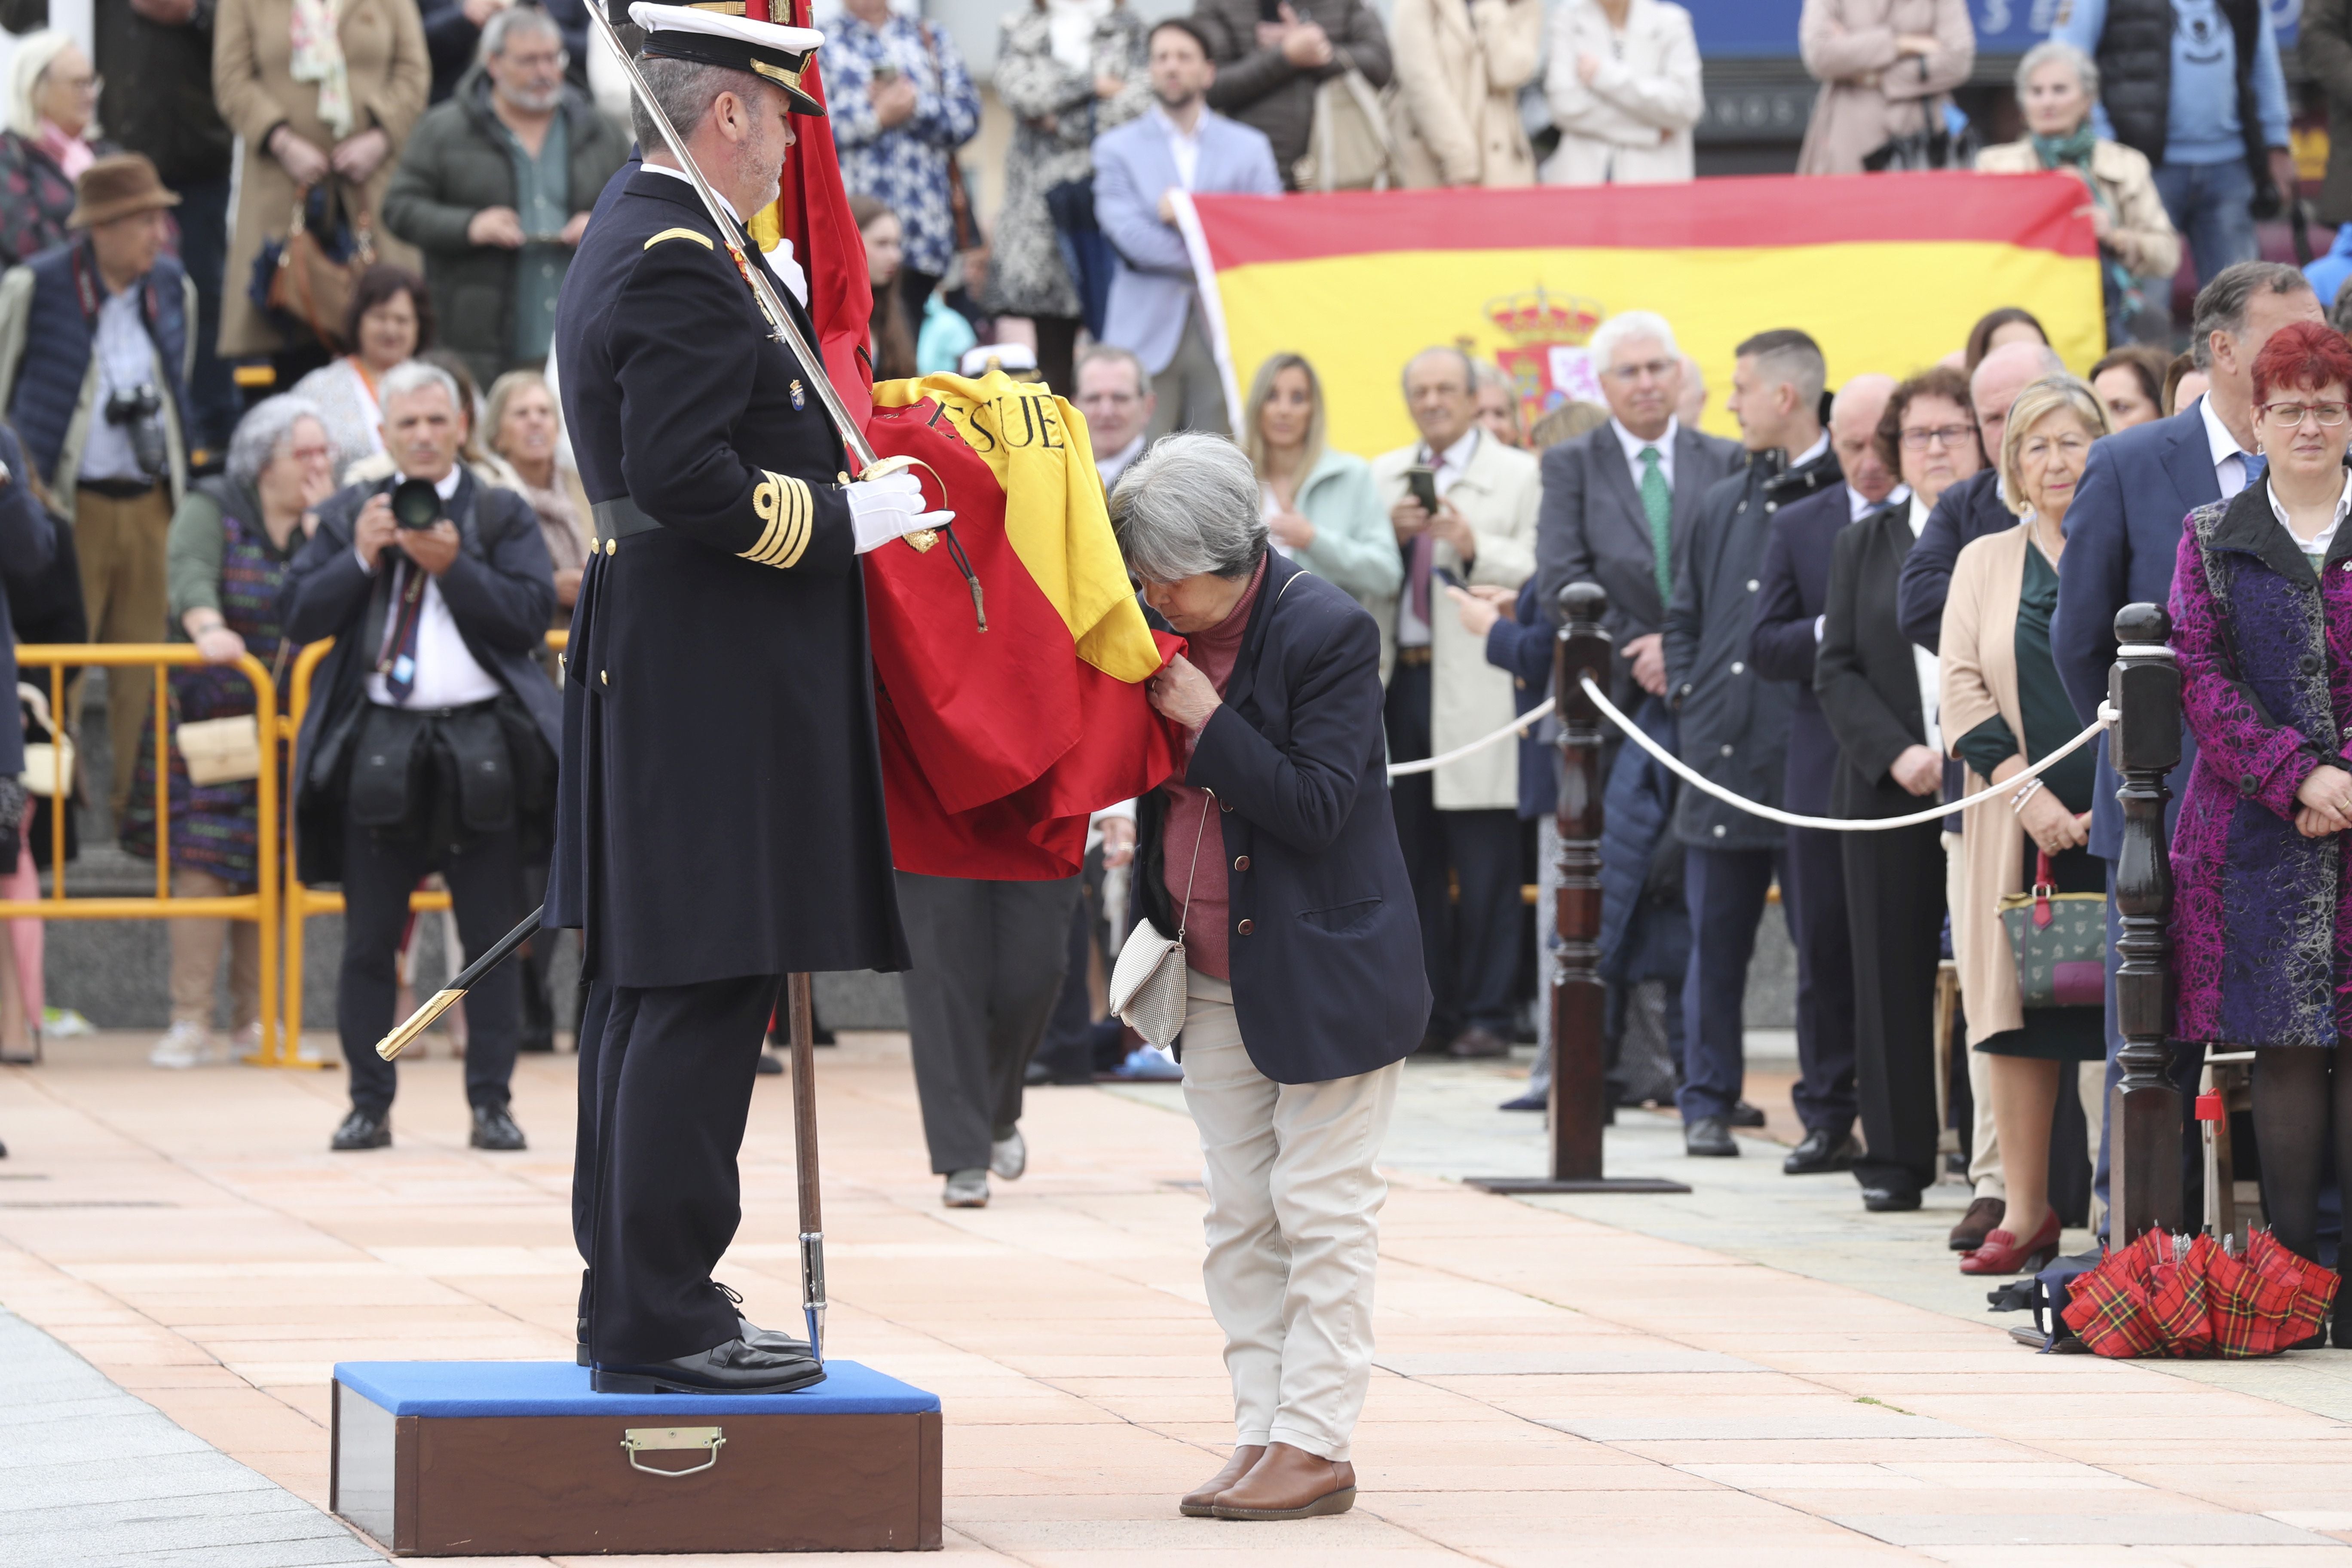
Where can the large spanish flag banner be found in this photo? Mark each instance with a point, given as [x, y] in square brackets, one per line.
[1886, 271]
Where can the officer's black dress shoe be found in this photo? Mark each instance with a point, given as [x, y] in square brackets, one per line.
[749, 1332]
[771, 1063]
[1818, 1153]
[494, 1129]
[1709, 1136]
[732, 1368]
[1745, 1115]
[1530, 1101]
[361, 1131]
[1890, 1200]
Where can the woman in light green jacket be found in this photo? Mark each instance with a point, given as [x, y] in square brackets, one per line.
[1320, 507]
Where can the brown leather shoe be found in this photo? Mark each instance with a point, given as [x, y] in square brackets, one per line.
[1476, 1044]
[1984, 1217]
[1289, 1483]
[1195, 1503]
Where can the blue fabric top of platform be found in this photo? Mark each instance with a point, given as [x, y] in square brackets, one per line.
[464, 1388]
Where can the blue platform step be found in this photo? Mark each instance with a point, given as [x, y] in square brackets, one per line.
[483, 1458]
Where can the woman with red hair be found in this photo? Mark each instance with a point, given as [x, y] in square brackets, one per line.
[2261, 925]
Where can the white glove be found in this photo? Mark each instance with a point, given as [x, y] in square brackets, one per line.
[890, 507]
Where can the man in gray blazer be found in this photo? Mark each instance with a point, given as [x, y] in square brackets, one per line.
[1179, 145]
[1611, 498]
[1603, 523]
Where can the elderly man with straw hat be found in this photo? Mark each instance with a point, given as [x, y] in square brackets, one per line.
[96, 346]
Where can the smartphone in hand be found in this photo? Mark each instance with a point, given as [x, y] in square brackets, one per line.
[1422, 480]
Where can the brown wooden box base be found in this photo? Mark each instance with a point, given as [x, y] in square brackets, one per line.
[528, 1484]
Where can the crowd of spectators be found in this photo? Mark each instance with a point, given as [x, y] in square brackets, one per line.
[1855, 609]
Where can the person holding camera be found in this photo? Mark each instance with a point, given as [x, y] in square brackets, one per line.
[431, 738]
[111, 445]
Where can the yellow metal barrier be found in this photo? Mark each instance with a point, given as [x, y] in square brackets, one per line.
[302, 901]
[260, 906]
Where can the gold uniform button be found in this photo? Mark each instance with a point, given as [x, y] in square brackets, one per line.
[612, 545]
[605, 676]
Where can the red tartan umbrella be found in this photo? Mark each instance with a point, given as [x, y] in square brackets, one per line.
[2175, 1295]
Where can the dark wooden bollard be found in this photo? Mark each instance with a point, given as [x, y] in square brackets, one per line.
[2144, 1114]
[1579, 1094]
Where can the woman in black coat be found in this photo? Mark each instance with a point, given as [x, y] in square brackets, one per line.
[28, 542]
[1305, 989]
[1876, 691]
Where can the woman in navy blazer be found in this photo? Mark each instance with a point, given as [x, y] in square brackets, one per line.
[1306, 988]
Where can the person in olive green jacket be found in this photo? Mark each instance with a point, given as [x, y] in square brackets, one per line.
[495, 187]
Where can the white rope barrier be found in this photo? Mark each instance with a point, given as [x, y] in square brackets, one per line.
[1838, 824]
[1517, 726]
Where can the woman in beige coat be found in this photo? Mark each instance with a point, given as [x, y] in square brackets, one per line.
[341, 104]
[1885, 67]
[1459, 67]
[2056, 86]
[2001, 709]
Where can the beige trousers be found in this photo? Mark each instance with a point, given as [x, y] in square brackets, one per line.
[121, 546]
[196, 955]
[1293, 1229]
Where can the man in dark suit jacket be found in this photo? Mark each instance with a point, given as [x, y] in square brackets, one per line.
[2122, 533]
[1788, 630]
[1734, 722]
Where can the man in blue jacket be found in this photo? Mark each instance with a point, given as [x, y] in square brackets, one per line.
[2195, 85]
[2123, 534]
[1180, 145]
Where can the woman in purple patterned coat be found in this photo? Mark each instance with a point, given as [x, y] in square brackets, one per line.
[2261, 929]
[52, 99]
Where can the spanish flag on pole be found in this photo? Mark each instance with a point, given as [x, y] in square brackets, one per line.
[1886, 271]
[997, 745]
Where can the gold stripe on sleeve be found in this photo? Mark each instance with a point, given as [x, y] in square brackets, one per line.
[701, 239]
[786, 506]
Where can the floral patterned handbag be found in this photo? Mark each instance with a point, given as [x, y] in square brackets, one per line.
[2058, 941]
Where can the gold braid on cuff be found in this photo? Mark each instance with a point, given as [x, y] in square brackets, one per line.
[784, 505]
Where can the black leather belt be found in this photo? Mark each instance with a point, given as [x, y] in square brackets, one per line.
[620, 518]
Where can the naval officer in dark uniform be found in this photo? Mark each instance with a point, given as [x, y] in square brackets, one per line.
[719, 821]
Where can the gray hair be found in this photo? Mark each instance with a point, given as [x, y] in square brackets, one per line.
[35, 53]
[2221, 304]
[1631, 324]
[1189, 506]
[266, 428]
[511, 20]
[1111, 353]
[2086, 69]
[686, 90]
[414, 375]
[1469, 365]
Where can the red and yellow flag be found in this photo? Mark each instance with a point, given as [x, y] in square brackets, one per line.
[983, 769]
[1886, 271]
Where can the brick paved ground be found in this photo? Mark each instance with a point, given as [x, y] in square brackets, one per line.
[1756, 1374]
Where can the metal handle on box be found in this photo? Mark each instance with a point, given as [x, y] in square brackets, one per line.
[635, 1440]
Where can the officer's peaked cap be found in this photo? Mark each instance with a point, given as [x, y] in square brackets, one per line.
[721, 35]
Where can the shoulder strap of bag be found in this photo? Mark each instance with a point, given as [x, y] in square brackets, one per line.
[1184, 913]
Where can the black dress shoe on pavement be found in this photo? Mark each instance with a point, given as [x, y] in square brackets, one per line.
[1478, 1045]
[771, 1063]
[494, 1129]
[361, 1131]
[732, 1368]
[1890, 1200]
[1818, 1153]
[1530, 1101]
[1709, 1137]
[1745, 1115]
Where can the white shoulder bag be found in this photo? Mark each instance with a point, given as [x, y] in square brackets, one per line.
[1147, 984]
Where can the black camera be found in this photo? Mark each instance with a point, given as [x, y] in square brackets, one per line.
[139, 412]
[415, 504]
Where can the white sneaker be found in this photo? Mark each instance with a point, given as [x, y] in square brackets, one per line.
[966, 1190]
[247, 1042]
[185, 1045]
[1009, 1156]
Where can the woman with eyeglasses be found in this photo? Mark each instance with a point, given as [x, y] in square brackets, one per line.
[1877, 690]
[2000, 708]
[2262, 615]
[52, 102]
